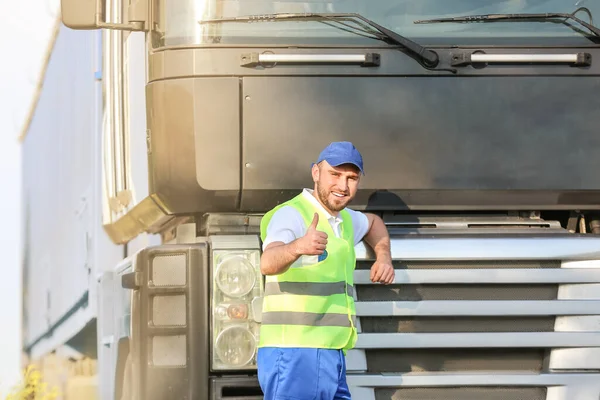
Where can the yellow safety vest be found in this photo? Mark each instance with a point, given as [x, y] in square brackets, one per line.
[312, 305]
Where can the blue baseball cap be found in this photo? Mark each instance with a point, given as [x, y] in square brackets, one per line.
[338, 153]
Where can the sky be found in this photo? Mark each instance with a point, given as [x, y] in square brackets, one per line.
[28, 26]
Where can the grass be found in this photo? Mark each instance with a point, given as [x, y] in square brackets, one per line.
[33, 387]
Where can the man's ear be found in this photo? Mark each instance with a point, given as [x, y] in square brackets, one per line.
[315, 173]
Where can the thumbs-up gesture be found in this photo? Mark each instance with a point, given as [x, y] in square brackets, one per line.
[314, 241]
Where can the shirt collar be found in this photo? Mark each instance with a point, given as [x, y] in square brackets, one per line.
[308, 193]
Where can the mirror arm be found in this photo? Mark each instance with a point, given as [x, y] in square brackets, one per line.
[132, 26]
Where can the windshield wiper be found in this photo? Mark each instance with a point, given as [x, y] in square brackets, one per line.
[519, 17]
[429, 58]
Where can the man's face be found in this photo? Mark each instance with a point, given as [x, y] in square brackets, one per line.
[335, 186]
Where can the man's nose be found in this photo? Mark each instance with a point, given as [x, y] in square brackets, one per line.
[342, 185]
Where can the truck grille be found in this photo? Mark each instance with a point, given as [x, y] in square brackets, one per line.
[422, 360]
[455, 326]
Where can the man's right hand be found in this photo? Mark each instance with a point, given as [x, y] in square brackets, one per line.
[277, 257]
[314, 242]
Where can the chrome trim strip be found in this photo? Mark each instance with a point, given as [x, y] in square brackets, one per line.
[312, 58]
[497, 275]
[493, 247]
[477, 308]
[256, 59]
[572, 58]
[477, 339]
[453, 379]
[560, 386]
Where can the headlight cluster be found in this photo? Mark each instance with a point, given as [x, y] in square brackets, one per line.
[236, 306]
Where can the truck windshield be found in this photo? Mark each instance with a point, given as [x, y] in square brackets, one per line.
[178, 22]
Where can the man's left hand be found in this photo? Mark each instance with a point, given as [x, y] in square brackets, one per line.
[383, 272]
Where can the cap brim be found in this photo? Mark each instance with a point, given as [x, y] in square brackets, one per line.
[338, 163]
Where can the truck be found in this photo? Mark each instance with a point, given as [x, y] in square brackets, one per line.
[478, 126]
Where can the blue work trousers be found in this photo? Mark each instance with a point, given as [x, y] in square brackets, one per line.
[302, 374]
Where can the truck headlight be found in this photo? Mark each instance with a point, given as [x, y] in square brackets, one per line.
[235, 346]
[235, 275]
[236, 293]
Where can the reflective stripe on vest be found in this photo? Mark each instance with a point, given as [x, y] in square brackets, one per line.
[308, 288]
[312, 304]
[309, 319]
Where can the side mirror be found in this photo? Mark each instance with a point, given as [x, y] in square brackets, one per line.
[80, 14]
[89, 14]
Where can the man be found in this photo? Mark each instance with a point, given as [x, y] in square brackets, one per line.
[308, 319]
